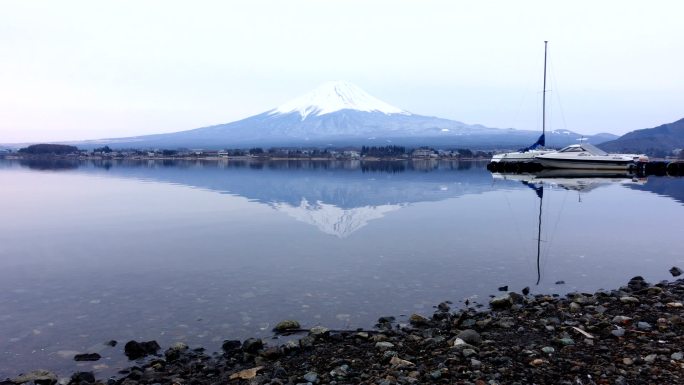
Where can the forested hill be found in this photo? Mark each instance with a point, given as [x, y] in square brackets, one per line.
[658, 141]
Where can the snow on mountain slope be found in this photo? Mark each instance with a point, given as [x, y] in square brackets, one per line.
[336, 96]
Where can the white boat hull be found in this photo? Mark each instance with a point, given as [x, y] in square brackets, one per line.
[593, 164]
[519, 157]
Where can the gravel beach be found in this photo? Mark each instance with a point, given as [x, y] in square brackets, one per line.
[631, 335]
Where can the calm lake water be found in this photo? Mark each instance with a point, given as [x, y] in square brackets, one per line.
[205, 251]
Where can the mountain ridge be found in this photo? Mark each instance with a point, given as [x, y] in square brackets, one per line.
[660, 140]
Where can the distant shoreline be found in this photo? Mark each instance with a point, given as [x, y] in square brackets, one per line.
[240, 158]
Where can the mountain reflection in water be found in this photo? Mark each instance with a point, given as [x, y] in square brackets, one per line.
[337, 197]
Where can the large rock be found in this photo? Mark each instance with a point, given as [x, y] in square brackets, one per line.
[231, 346]
[418, 320]
[637, 283]
[286, 325]
[135, 349]
[252, 345]
[501, 302]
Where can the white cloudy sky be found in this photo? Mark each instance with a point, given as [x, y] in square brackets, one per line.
[92, 69]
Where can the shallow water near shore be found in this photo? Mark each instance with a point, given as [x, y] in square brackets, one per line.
[205, 251]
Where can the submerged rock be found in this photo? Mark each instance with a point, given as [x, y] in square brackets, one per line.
[39, 377]
[87, 357]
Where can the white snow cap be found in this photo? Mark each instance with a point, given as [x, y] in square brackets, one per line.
[336, 96]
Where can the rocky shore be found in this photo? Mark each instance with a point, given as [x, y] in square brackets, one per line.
[632, 335]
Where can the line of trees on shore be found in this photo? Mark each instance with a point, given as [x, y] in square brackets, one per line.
[390, 151]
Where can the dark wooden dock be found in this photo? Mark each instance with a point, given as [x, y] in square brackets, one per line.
[656, 168]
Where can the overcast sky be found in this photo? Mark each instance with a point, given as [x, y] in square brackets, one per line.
[93, 69]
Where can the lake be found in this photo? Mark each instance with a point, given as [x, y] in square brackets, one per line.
[202, 251]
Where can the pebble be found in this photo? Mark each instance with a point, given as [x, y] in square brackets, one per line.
[548, 349]
[628, 299]
[620, 319]
[311, 377]
[677, 356]
[398, 363]
[384, 345]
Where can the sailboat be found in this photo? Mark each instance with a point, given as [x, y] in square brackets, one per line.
[528, 154]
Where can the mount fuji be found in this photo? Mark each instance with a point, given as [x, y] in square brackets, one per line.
[339, 114]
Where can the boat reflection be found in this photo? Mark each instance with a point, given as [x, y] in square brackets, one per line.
[568, 179]
[576, 180]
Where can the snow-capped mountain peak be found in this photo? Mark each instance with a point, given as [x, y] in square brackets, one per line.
[336, 96]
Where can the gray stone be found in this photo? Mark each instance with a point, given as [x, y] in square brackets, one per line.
[677, 356]
[468, 352]
[340, 372]
[475, 364]
[436, 374]
[286, 325]
[501, 302]
[644, 325]
[179, 346]
[629, 300]
[548, 349]
[311, 377]
[252, 345]
[306, 342]
[675, 271]
[619, 332]
[470, 336]
[418, 320]
[384, 345]
[621, 319]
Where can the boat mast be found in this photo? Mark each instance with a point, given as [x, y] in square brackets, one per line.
[541, 200]
[544, 93]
